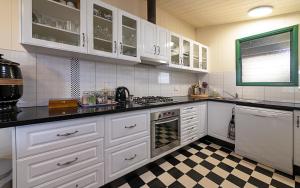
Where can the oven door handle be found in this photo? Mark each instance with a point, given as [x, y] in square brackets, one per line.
[162, 122]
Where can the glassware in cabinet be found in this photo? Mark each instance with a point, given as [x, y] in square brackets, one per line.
[57, 21]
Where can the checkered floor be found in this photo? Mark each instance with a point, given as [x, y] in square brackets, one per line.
[204, 164]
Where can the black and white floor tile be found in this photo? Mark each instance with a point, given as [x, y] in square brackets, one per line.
[205, 164]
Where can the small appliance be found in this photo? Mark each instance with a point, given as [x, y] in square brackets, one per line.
[11, 84]
[122, 95]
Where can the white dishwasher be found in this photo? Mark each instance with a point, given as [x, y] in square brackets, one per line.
[266, 136]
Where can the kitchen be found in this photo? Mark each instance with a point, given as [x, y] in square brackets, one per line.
[150, 93]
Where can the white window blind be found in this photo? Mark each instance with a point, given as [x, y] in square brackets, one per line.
[266, 59]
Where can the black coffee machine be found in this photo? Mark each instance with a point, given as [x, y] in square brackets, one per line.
[122, 94]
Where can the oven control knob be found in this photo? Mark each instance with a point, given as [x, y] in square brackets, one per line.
[159, 116]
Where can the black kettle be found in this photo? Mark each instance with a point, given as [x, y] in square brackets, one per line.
[122, 94]
[11, 84]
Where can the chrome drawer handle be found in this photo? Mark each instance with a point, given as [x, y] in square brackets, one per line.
[131, 158]
[67, 134]
[298, 121]
[191, 128]
[130, 127]
[190, 108]
[191, 118]
[191, 138]
[68, 163]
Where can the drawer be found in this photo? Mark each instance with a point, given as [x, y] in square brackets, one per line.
[126, 127]
[189, 109]
[189, 115]
[191, 128]
[91, 177]
[188, 138]
[42, 138]
[187, 122]
[38, 169]
[122, 160]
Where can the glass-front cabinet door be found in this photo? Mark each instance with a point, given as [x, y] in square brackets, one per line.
[204, 57]
[55, 24]
[196, 56]
[175, 50]
[186, 53]
[129, 36]
[102, 28]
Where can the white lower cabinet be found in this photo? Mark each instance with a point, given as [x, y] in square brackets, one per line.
[123, 159]
[193, 122]
[35, 139]
[297, 138]
[219, 116]
[48, 154]
[125, 127]
[91, 177]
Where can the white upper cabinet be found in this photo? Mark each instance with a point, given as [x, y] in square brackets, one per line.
[186, 53]
[199, 57]
[128, 36]
[51, 24]
[176, 48]
[102, 24]
[154, 43]
[204, 57]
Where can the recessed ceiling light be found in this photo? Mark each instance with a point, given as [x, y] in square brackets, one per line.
[260, 11]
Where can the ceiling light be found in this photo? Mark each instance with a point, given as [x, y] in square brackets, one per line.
[260, 11]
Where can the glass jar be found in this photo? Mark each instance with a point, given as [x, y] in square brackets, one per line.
[85, 98]
[92, 98]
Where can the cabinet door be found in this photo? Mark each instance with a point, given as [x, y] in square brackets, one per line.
[175, 50]
[51, 24]
[196, 56]
[204, 55]
[297, 138]
[148, 39]
[186, 53]
[102, 28]
[219, 116]
[203, 118]
[162, 43]
[129, 35]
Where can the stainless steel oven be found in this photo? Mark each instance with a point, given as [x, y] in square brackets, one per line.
[165, 131]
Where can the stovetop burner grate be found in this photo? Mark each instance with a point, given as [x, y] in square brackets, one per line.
[152, 100]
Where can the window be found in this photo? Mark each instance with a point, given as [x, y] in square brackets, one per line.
[268, 59]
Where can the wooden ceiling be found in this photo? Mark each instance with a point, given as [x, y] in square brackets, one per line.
[200, 13]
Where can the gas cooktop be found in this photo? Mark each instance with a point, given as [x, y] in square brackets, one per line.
[152, 100]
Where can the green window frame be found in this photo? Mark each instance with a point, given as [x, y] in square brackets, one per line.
[293, 59]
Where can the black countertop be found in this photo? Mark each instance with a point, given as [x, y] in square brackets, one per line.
[34, 115]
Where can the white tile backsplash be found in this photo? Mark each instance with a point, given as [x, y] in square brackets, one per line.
[53, 78]
[47, 77]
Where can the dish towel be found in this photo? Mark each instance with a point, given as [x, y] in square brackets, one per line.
[231, 126]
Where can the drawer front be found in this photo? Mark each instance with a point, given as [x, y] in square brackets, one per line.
[91, 177]
[189, 115]
[41, 168]
[121, 160]
[189, 121]
[126, 127]
[188, 138]
[41, 138]
[190, 129]
[189, 109]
